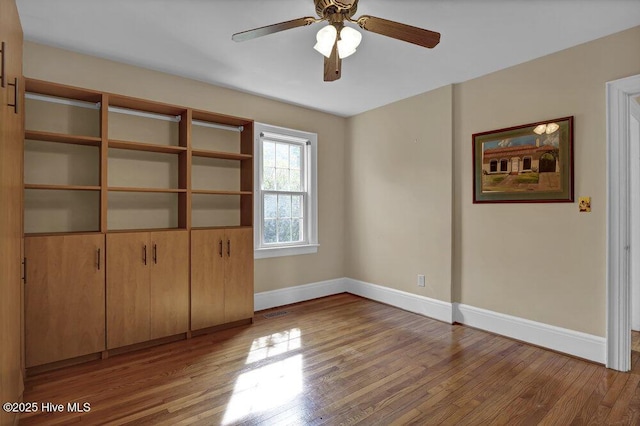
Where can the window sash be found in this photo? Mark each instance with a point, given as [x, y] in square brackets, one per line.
[304, 218]
[304, 159]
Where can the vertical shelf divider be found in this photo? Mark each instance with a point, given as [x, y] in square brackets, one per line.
[184, 170]
[246, 176]
[104, 160]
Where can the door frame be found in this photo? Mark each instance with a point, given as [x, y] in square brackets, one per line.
[620, 94]
[635, 224]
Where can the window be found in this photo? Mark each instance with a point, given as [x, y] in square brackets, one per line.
[285, 205]
[526, 163]
[504, 165]
[493, 166]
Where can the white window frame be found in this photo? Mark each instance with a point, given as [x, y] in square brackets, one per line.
[310, 140]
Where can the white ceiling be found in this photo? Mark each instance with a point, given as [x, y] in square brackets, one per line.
[192, 38]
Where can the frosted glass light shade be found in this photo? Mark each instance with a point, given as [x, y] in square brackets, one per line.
[326, 38]
[540, 129]
[546, 128]
[552, 127]
[349, 40]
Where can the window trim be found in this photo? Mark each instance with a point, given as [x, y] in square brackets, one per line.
[310, 245]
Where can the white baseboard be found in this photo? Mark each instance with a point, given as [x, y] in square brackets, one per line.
[571, 342]
[300, 293]
[432, 308]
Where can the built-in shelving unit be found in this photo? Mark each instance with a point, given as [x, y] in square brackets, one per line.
[137, 157]
[126, 194]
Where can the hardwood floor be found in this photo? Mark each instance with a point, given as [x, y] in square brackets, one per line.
[341, 360]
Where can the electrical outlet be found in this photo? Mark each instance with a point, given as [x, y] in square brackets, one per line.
[421, 280]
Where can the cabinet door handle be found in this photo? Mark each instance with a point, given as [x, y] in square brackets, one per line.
[98, 258]
[144, 255]
[24, 270]
[220, 248]
[155, 254]
[3, 79]
[15, 91]
[229, 248]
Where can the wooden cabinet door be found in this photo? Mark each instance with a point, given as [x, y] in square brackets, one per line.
[64, 297]
[11, 142]
[238, 284]
[169, 284]
[128, 257]
[207, 278]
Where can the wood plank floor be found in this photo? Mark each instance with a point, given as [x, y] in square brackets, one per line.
[341, 360]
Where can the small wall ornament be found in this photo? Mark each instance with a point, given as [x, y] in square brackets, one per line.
[584, 204]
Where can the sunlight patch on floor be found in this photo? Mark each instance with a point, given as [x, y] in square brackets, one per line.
[272, 385]
[274, 344]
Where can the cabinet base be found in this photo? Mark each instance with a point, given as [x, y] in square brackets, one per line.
[103, 355]
[221, 327]
[33, 371]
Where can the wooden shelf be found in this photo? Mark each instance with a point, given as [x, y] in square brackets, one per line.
[134, 189]
[143, 105]
[212, 192]
[149, 147]
[201, 228]
[220, 118]
[221, 155]
[61, 91]
[62, 138]
[51, 234]
[124, 231]
[62, 187]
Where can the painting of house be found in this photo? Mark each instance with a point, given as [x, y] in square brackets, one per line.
[524, 163]
[520, 159]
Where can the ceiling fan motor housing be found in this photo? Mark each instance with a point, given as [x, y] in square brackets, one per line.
[327, 8]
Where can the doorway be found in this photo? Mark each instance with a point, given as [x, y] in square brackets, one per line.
[621, 97]
[515, 165]
[634, 151]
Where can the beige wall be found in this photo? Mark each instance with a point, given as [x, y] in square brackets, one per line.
[399, 194]
[543, 262]
[51, 64]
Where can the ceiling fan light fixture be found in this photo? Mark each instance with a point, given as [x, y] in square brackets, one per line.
[349, 40]
[326, 38]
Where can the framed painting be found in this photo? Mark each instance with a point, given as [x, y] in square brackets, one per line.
[532, 163]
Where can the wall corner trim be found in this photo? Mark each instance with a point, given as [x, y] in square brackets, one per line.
[559, 339]
[432, 308]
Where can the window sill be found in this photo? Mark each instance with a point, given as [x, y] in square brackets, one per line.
[265, 253]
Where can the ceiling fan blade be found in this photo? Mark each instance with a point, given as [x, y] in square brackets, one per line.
[270, 29]
[399, 31]
[333, 65]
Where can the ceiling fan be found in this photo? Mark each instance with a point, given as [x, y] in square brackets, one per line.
[335, 41]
